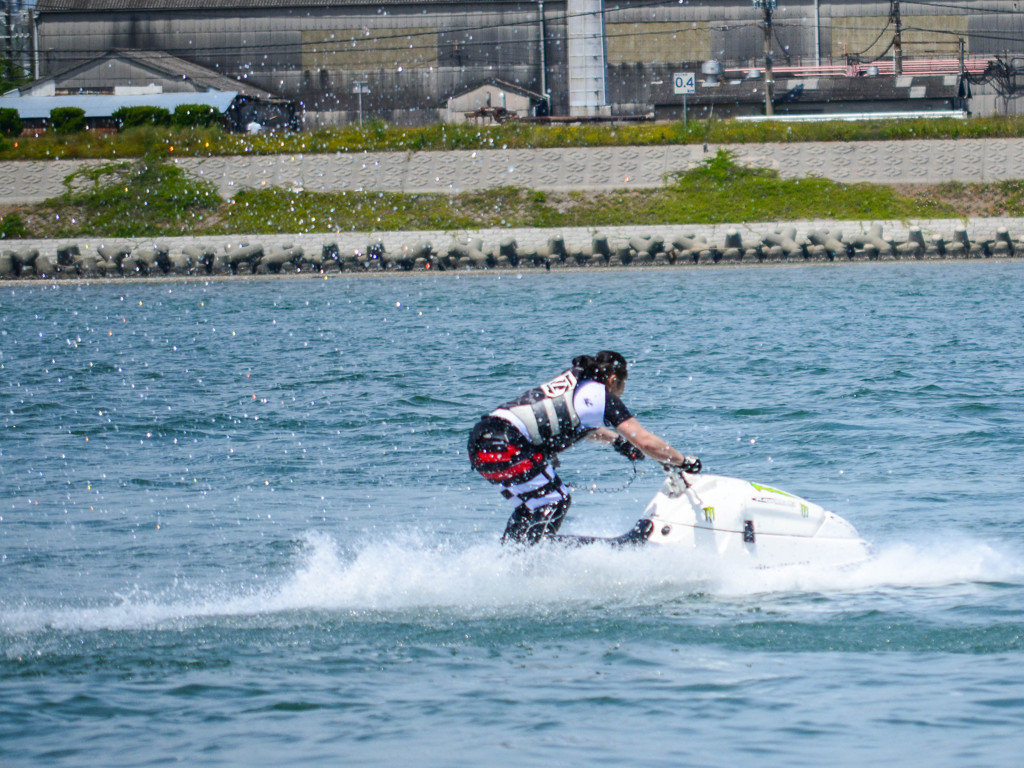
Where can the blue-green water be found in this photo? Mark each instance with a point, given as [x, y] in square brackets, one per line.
[237, 525]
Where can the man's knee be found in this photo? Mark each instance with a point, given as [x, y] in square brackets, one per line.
[531, 526]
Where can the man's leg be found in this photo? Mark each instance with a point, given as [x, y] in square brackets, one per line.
[541, 506]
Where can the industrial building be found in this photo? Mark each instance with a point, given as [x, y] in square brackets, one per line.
[125, 78]
[413, 62]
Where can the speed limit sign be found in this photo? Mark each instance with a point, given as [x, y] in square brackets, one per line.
[684, 82]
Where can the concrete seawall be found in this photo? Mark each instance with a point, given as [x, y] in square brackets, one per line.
[600, 168]
[521, 249]
[562, 169]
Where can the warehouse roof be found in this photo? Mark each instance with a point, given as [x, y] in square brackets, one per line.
[108, 6]
[163, 65]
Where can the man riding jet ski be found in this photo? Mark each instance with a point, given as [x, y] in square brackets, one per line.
[515, 446]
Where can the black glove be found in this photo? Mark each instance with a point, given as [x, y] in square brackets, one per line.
[690, 465]
[627, 449]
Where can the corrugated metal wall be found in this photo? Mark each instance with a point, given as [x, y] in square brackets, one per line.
[415, 56]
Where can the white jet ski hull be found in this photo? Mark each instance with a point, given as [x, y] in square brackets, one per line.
[734, 518]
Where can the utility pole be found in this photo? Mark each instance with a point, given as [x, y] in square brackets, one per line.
[8, 53]
[767, 6]
[897, 40]
[964, 88]
[543, 59]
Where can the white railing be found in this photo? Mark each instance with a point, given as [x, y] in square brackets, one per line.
[853, 116]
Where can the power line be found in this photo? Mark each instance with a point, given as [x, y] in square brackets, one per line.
[967, 9]
[985, 35]
[873, 42]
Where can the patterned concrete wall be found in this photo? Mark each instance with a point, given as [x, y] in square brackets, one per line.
[895, 162]
[33, 181]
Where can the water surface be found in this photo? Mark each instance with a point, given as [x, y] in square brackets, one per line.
[237, 524]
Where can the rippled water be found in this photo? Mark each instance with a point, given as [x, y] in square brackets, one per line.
[237, 525]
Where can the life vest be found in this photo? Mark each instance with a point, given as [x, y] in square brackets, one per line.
[548, 412]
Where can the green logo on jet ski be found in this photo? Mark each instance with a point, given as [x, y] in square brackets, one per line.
[772, 490]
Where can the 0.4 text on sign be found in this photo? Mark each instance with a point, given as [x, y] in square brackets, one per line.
[684, 82]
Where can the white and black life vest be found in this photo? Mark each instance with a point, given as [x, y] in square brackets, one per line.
[548, 412]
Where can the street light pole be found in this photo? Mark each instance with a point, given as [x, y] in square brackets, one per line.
[361, 87]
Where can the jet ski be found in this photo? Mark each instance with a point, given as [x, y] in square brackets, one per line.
[737, 519]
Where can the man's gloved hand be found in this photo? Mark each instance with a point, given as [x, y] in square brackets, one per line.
[627, 449]
[690, 465]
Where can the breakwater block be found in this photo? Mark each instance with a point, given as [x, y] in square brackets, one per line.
[18, 262]
[783, 245]
[831, 244]
[282, 258]
[144, 259]
[242, 258]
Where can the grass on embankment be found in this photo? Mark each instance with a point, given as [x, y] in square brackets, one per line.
[150, 198]
[378, 136]
[718, 191]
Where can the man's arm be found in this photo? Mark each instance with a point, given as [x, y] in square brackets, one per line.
[602, 435]
[650, 444]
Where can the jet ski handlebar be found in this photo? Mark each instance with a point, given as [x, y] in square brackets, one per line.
[677, 473]
[691, 466]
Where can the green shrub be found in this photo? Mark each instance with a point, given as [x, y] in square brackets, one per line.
[133, 117]
[193, 115]
[67, 120]
[11, 227]
[10, 122]
[143, 198]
